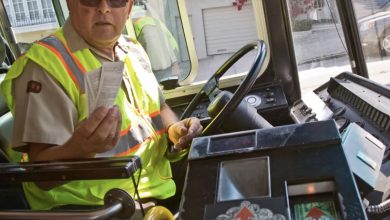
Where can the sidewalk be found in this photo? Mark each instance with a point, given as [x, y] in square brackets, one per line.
[324, 27]
[321, 42]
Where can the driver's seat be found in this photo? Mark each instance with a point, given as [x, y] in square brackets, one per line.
[11, 195]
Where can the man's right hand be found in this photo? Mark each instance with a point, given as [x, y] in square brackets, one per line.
[99, 133]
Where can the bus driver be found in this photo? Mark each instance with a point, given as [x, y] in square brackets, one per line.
[46, 93]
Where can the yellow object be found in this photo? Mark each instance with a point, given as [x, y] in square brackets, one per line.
[159, 213]
[142, 130]
[140, 23]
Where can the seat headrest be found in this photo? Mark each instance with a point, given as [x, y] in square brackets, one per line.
[3, 105]
[6, 130]
[3, 50]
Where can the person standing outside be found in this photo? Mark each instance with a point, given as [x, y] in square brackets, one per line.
[163, 51]
[45, 90]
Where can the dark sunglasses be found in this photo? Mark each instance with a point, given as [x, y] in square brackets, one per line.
[111, 3]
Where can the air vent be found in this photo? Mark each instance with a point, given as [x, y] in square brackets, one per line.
[385, 122]
[387, 128]
[381, 120]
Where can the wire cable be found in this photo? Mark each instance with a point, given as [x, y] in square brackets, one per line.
[136, 192]
[380, 208]
[337, 29]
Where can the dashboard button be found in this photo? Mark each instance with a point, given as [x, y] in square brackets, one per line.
[253, 100]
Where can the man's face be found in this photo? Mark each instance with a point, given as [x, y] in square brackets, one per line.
[99, 25]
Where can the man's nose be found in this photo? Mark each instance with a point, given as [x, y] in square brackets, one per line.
[104, 7]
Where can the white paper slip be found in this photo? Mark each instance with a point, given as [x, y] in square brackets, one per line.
[92, 80]
[109, 84]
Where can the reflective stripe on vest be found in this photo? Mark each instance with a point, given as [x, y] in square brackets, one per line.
[133, 137]
[75, 70]
[155, 120]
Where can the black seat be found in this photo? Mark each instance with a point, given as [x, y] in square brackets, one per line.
[11, 194]
[6, 127]
[6, 121]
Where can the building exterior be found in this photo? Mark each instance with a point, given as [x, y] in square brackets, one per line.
[30, 19]
[219, 27]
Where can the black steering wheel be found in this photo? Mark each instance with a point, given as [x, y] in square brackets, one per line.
[211, 88]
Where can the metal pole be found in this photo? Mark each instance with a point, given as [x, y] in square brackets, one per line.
[101, 213]
[59, 13]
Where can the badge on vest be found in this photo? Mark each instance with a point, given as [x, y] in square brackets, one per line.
[34, 87]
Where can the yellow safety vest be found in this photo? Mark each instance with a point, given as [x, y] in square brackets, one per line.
[142, 131]
[140, 23]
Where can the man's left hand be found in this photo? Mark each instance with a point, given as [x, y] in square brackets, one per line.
[182, 132]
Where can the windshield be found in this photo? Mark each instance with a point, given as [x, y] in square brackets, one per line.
[215, 31]
[187, 39]
[220, 29]
[159, 29]
[196, 37]
[319, 42]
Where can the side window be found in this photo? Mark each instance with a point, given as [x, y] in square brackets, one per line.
[30, 20]
[33, 10]
[319, 42]
[47, 10]
[20, 15]
[194, 45]
[220, 28]
[159, 29]
[373, 20]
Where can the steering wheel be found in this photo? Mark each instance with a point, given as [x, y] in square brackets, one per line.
[211, 88]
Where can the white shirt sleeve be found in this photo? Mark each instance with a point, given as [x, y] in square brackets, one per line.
[44, 115]
[159, 50]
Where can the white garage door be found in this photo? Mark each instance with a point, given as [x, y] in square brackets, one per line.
[228, 29]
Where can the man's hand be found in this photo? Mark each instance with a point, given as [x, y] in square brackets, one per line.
[182, 132]
[99, 133]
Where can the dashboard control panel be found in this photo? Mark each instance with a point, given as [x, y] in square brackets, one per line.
[238, 176]
[361, 111]
[266, 98]
[310, 108]
[348, 98]
[270, 101]
[263, 99]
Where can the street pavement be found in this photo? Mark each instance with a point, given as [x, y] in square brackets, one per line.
[320, 43]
